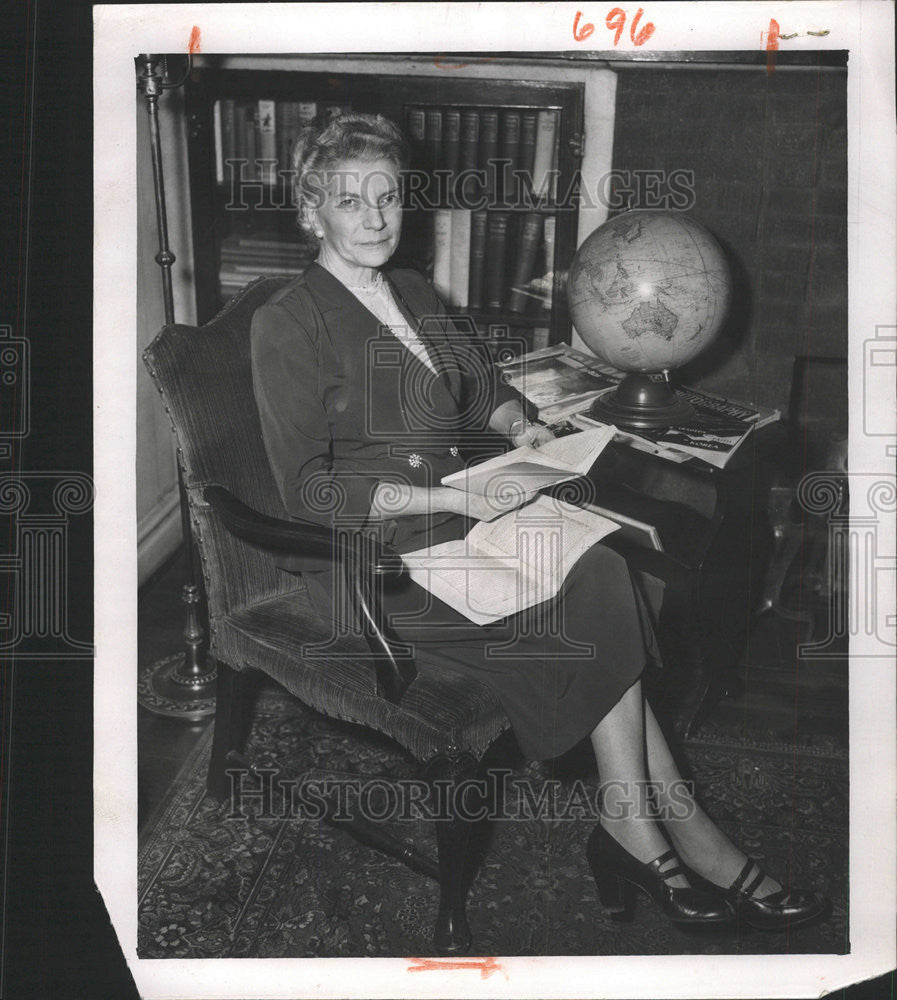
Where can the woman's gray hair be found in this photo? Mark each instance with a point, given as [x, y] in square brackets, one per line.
[319, 150]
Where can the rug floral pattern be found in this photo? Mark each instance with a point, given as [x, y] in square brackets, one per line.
[212, 885]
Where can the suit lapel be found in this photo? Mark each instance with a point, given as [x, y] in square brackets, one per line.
[354, 330]
[439, 351]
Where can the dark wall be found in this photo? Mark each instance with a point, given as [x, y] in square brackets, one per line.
[769, 157]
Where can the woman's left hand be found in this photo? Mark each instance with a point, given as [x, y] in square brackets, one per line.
[531, 434]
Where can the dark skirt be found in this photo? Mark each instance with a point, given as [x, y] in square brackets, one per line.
[557, 668]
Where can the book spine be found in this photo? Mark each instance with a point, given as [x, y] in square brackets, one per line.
[543, 157]
[477, 259]
[459, 271]
[306, 113]
[252, 131]
[531, 232]
[281, 116]
[527, 151]
[468, 153]
[267, 143]
[451, 140]
[417, 124]
[539, 338]
[496, 249]
[442, 253]
[548, 251]
[228, 140]
[240, 169]
[433, 138]
[489, 150]
[219, 146]
[509, 155]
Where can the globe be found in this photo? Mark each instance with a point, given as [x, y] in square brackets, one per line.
[649, 291]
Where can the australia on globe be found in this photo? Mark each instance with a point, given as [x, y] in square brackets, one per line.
[648, 291]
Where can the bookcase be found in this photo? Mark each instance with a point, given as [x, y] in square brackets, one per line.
[490, 203]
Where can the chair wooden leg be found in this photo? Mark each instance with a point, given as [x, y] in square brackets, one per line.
[445, 773]
[229, 720]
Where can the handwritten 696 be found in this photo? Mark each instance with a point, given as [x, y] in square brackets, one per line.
[615, 21]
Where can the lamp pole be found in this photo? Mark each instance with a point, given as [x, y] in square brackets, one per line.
[181, 685]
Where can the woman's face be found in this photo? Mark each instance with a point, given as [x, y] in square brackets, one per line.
[361, 213]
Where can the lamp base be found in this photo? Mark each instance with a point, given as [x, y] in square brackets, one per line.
[640, 403]
[169, 687]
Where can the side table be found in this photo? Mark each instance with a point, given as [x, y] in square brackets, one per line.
[713, 525]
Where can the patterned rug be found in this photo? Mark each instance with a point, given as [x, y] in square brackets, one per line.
[273, 882]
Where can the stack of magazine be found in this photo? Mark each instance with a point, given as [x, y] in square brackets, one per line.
[563, 383]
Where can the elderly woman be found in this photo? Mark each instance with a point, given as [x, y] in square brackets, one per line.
[365, 388]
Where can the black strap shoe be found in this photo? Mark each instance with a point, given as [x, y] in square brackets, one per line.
[617, 874]
[777, 911]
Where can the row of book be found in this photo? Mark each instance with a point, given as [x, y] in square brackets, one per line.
[261, 133]
[495, 260]
[245, 257]
[514, 151]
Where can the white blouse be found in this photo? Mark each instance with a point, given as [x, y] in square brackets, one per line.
[378, 298]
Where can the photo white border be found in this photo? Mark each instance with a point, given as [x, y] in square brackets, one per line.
[866, 29]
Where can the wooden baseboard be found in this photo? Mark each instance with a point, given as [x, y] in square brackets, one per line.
[158, 535]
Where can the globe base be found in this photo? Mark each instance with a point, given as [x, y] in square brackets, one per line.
[640, 403]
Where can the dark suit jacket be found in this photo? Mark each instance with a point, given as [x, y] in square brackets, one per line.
[344, 406]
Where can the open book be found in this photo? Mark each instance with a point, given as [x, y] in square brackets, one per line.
[504, 566]
[534, 468]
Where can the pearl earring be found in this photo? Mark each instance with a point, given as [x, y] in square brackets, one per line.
[319, 233]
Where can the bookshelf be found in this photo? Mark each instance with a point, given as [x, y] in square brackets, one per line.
[490, 206]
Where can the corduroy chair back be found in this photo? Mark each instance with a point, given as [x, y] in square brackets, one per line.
[204, 376]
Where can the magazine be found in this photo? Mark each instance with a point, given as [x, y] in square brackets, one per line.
[717, 429]
[558, 380]
[556, 461]
[713, 435]
[512, 563]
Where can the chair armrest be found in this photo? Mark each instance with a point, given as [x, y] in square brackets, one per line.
[300, 538]
[360, 556]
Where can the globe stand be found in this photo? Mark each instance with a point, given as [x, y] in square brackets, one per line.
[640, 403]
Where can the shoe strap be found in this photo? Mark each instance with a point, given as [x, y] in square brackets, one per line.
[665, 858]
[742, 887]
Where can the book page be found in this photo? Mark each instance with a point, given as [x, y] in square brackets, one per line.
[565, 457]
[579, 452]
[545, 526]
[483, 588]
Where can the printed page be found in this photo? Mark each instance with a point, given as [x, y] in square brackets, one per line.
[526, 466]
[579, 452]
[546, 525]
[483, 588]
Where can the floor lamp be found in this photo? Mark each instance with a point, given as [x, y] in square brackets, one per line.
[181, 685]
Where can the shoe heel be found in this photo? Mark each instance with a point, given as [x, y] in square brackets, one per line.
[615, 895]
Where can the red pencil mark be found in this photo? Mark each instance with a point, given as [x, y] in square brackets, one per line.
[581, 34]
[193, 44]
[616, 19]
[486, 965]
[644, 34]
[440, 63]
[772, 44]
